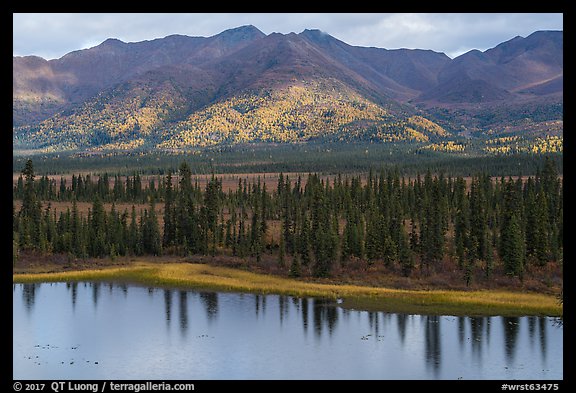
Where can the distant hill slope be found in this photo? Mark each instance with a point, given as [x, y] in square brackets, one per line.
[244, 86]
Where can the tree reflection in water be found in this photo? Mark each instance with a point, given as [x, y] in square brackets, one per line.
[29, 295]
[73, 287]
[446, 347]
[95, 293]
[210, 302]
[476, 330]
[510, 325]
[401, 321]
[305, 314]
[373, 322]
[461, 331]
[282, 307]
[432, 342]
[168, 305]
[183, 312]
[543, 351]
[324, 311]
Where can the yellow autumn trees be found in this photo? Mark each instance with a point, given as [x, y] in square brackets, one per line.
[143, 117]
[449, 146]
[549, 144]
[299, 111]
[519, 144]
[137, 114]
[421, 124]
[296, 112]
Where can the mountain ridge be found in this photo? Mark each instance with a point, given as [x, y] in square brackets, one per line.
[118, 92]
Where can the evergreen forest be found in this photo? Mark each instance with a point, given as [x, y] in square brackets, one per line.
[308, 226]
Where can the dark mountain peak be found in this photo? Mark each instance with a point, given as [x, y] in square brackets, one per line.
[112, 42]
[552, 39]
[320, 37]
[111, 46]
[547, 34]
[520, 44]
[280, 40]
[274, 48]
[314, 33]
[29, 61]
[251, 29]
[175, 38]
[465, 64]
[281, 37]
[471, 54]
[247, 32]
[539, 41]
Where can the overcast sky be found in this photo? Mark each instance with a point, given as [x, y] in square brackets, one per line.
[53, 35]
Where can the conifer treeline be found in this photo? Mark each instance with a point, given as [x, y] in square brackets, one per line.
[384, 218]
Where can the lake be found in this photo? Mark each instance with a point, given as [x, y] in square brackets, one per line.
[118, 331]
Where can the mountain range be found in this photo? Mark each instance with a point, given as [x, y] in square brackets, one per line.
[243, 86]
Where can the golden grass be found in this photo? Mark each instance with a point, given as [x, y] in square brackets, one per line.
[438, 302]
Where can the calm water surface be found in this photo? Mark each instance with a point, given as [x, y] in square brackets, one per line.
[112, 331]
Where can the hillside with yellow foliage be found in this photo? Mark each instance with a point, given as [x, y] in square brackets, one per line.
[142, 117]
[111, 120]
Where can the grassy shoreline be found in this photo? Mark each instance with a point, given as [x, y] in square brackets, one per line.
[432, 302]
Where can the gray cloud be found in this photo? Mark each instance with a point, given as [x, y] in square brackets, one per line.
[53, 35]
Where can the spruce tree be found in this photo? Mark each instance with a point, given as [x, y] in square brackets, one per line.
[212, 211]
[295, 267]
[462, 225]
[15, 248]
[324, 238]
[151, 240]
[31, 208]
[512, 239]
[478, 219]
[169, 235]
[512, 248]
[374, 230]
[540, 241]
[133, 234]
[256, 240]
[282, 252]
[99, 246]
[304, 241]
[405, 255]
